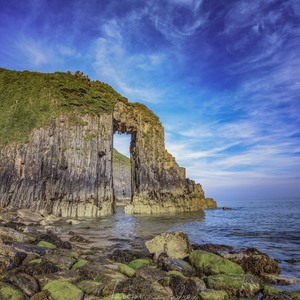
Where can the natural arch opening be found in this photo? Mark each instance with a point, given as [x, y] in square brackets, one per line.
[121, 171]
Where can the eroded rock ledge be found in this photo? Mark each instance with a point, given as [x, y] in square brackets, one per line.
[67, 167]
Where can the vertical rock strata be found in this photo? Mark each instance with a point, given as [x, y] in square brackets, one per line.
[158, 183]
[67, 167]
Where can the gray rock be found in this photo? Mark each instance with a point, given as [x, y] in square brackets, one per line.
[26, 283]
[6, 263]
[11, 252]
[61, 259]
[151, 274]
[175, 244]
[11, 234]
[179, 265]
[28, 248]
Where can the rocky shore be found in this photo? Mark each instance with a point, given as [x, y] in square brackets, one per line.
[40, 261]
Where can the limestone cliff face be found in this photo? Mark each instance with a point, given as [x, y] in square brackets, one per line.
[158, 183]
[121, 177]
[67, 167]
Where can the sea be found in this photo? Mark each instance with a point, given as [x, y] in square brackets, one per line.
[270, 225]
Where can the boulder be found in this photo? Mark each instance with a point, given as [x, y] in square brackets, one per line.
[30, 215]
[213, 295]
[91, 287]
[61, 259]
[151, 274]
[179, 265]
[141, 288]
[6, 263]
[52, 218]
[15, 225]
[139, 263]
[272, 293]
[44, 212]
[199, 283]
[30, 229]
[46, 244]
[125, 256]
[34, 269]
[126, 270]
[175, 244]
[11, 234]
[10, 292]
[182, 287]
[28, 248]
[240, 286]
[26, 283]
[253, 261]
[211, 264]
[100, 274]
[65, 275]
[43, 295]
[53, 239]
[54, 229]
[8, 251]
[61, 290]
[79, 264]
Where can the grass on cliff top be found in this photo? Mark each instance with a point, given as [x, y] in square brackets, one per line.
[30, 100]
[120, 158]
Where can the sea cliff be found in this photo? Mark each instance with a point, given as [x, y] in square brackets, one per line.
[56, 146]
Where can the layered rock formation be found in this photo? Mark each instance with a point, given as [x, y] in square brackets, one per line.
[121, 178]
[66, 168]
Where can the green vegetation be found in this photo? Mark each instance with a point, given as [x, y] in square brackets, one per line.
[120, 158]
[30, 100]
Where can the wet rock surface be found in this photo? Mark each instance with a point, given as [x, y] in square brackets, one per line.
[29, 270]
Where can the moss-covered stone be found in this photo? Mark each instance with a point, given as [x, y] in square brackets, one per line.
[168, 274]
[235, 285]
[60, 259]
[79, 264]
[139, 263]
[268, 290]
[74, 254]
[31, 239]
[126, 270]
[91, 287]
[46, 244]
[118, 296]
[9, 292]
[210, 264]
[213, 295]
[63, 290]
[90, 252]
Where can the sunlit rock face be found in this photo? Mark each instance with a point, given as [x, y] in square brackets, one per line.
[67, 167]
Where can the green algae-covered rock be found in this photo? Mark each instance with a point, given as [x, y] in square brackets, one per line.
[168, 274]
[126, 270]
[79, 264]
[10, 292]
[60, 259]
[268, 290]
[210, 263]
[91, 287]
[46, 244]
[118, 296]
[213, 295]
[74, 254]
[139, 263]
[90, 252]
[63, 290]
[235, 285]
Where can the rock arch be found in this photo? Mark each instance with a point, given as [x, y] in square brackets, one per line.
[67, 167]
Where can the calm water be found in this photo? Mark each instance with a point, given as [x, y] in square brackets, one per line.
[272, 226]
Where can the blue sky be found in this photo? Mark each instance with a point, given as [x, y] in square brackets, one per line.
[223, 76]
